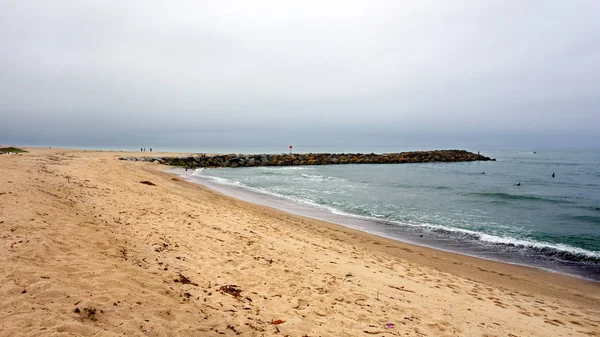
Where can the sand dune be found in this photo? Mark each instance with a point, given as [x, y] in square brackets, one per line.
[89, 250]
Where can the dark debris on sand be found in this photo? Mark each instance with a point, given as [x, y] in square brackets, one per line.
[185, 280]
[231, 289]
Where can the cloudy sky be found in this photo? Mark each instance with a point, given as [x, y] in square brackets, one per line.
[404, 73]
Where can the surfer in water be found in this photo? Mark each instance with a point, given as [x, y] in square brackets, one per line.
[519, 184]
[552, 174]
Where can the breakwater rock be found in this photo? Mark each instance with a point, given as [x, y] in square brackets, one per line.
[251, 160]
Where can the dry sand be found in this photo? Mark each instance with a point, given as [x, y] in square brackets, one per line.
[89, 250]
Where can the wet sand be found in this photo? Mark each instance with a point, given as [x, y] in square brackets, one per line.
[89, 250]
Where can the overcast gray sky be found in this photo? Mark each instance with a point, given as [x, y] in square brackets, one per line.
[414, 72]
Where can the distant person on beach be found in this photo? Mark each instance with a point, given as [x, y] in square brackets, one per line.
[150, 149]
[141, 149]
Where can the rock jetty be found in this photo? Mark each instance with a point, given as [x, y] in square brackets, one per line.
[251, 160]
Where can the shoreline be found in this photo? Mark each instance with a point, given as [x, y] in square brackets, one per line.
[172, 258]
[382, 228]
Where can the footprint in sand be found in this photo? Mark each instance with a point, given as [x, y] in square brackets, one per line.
[554, 322]
[500, 304]
[302, 304]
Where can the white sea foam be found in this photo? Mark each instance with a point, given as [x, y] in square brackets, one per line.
[314, 177]
[507, 240]
[285, 168]
[561, 247]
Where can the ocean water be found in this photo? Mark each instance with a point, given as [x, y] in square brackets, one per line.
[546, 222]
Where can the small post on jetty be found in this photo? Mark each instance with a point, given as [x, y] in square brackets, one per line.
[290, 155]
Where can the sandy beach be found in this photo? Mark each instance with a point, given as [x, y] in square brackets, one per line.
[88, 250]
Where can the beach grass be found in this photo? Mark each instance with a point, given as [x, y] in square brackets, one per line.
[11, 150]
